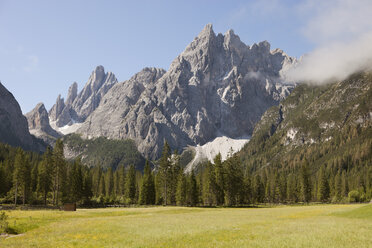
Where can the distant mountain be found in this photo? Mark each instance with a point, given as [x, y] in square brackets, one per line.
[78, 107]
[329, 124]
[38, 124]
[13, 125]
[217, 87]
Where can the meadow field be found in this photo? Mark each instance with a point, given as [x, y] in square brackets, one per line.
[279, 226]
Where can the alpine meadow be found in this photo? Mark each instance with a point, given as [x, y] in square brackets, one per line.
[235, 144]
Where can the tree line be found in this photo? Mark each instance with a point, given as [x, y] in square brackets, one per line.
[29, 178]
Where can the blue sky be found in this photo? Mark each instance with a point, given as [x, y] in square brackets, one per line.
[47, 45]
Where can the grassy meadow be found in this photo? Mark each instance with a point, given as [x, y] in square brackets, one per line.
[280, 226]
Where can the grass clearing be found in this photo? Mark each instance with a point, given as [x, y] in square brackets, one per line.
[281, 226]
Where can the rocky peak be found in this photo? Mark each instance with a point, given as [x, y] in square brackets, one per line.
[216, 86]
[57, 108]
[38, 117]
[38, 124]
[72, 94]
[79, 106]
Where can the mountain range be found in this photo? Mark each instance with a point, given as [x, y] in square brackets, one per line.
[218, 93]
[218, 86]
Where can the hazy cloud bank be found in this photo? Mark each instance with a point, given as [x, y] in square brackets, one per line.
[342, 30]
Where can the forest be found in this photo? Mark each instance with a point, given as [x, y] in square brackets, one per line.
[48, 179]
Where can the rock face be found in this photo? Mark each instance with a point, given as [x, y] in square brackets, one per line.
[38, 124]
[77, 107]
[217, 86]
[13, 125]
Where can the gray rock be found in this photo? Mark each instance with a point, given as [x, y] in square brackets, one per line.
[13, 125]
[217, 86]
[72, 94]
[79, 106]
[38, 124]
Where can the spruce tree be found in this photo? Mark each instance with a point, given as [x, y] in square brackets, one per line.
[165, 172]
[181, 189]
[220, 179]
[323, 185]
[59, 171]
[305, 182]
[109, 182]
[147, 193]
[192, 190]
[130, 185]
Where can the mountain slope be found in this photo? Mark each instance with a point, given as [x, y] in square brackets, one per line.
[13, 125]
[38, 124]
[217, 87]
[330, 124]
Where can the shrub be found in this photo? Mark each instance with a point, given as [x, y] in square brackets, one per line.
[354, 196]
[3, 223]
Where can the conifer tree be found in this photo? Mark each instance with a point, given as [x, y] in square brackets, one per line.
[76, 181]
[305, 182]
[209, 185]
[323, 185]
[192, 190]
[109, 182]
[59, 170]
[44, 180]
[130, 185]
[220, 179]
[17, 173]
[147, 193]
[181, 189]
[164, 172]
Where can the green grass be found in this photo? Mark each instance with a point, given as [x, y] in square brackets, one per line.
[281, 226]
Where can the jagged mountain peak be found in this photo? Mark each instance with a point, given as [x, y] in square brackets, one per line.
[38, 124]
[216, 86]
[79, 106]
[72, 93]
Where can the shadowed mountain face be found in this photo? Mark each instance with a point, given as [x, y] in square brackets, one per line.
[217, 86]
[13, 125]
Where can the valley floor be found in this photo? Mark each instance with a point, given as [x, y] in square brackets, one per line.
[281, 226]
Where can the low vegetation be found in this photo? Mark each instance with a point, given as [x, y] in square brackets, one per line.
[289, 226]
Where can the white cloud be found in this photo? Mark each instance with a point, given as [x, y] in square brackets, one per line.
[32, 63]
[342, 30]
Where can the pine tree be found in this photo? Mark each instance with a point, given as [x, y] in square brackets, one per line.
[17, 173]
[233, 181]
[76, 181]
[258, 189]
[323, 185]
[130, 185]
[101, 188]
[164, 171]
[44, 180]
[220, 179]
[192, 190]
[338, 186]
[109, 182]
[181, 189]
[147, 193]
[59, 171]
[291, 188]
[305, 182]
[209, 185]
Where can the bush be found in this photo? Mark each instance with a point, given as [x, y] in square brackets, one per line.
[354, 196]
[3, 223]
